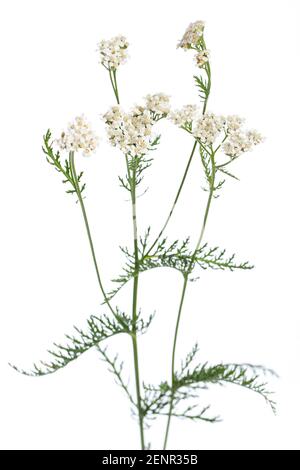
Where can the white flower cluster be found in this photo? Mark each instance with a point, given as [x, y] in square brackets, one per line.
[158, 104]
[78, 137]
[240, 141]
[201, 58]
[234, 123]
[192, 35]
[193, 39]
[207, 128]
[130, 132]
[113, 52]
[185, 116]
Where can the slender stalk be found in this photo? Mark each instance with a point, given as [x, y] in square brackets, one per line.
[208, 73]
[175, 200]
[186, 276]
[207, 68]
[132, 182]
[136, 368]
[113, 81]
[211, 191]
[116, 86]
[227, 163]
[173, 360]
[87, 227]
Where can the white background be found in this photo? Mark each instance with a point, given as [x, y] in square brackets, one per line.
[49, 74]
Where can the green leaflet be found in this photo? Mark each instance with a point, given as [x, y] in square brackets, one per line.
[137, 165]
[64, 168]
[237, 374]
[176, 255]
[203, 87]
[189, 380]
[98, 329]
[116, 368]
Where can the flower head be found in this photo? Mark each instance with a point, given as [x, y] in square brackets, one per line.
[240, 141]
[78, 137]
[185, 116]
[208, 127]
[234, 123]
[201, 58]
[255, 137]
[192, 35]
[131, 132]
[113, 52]
[158, 104]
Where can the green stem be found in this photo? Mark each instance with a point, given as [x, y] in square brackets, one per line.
[207, 69]
[173, 360]
[132, 182]
[186, 276]
[208, 87]
[113, 81]
[80, 199]
[227, 163]
[211, 191]
[116, 86]
[175, 200]
[208, 73]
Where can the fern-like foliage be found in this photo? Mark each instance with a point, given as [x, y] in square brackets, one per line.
[227, 173]
[137, 164]
[176, 255]
[215, 258]
[206, 163]
[116, 368]
[244, 375]
[190, 379]
[97, 330]
[156, 402]
[165, 255]
[203, 86]
[54, 159]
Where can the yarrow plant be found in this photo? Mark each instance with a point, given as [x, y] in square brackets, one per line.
[217, 141]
